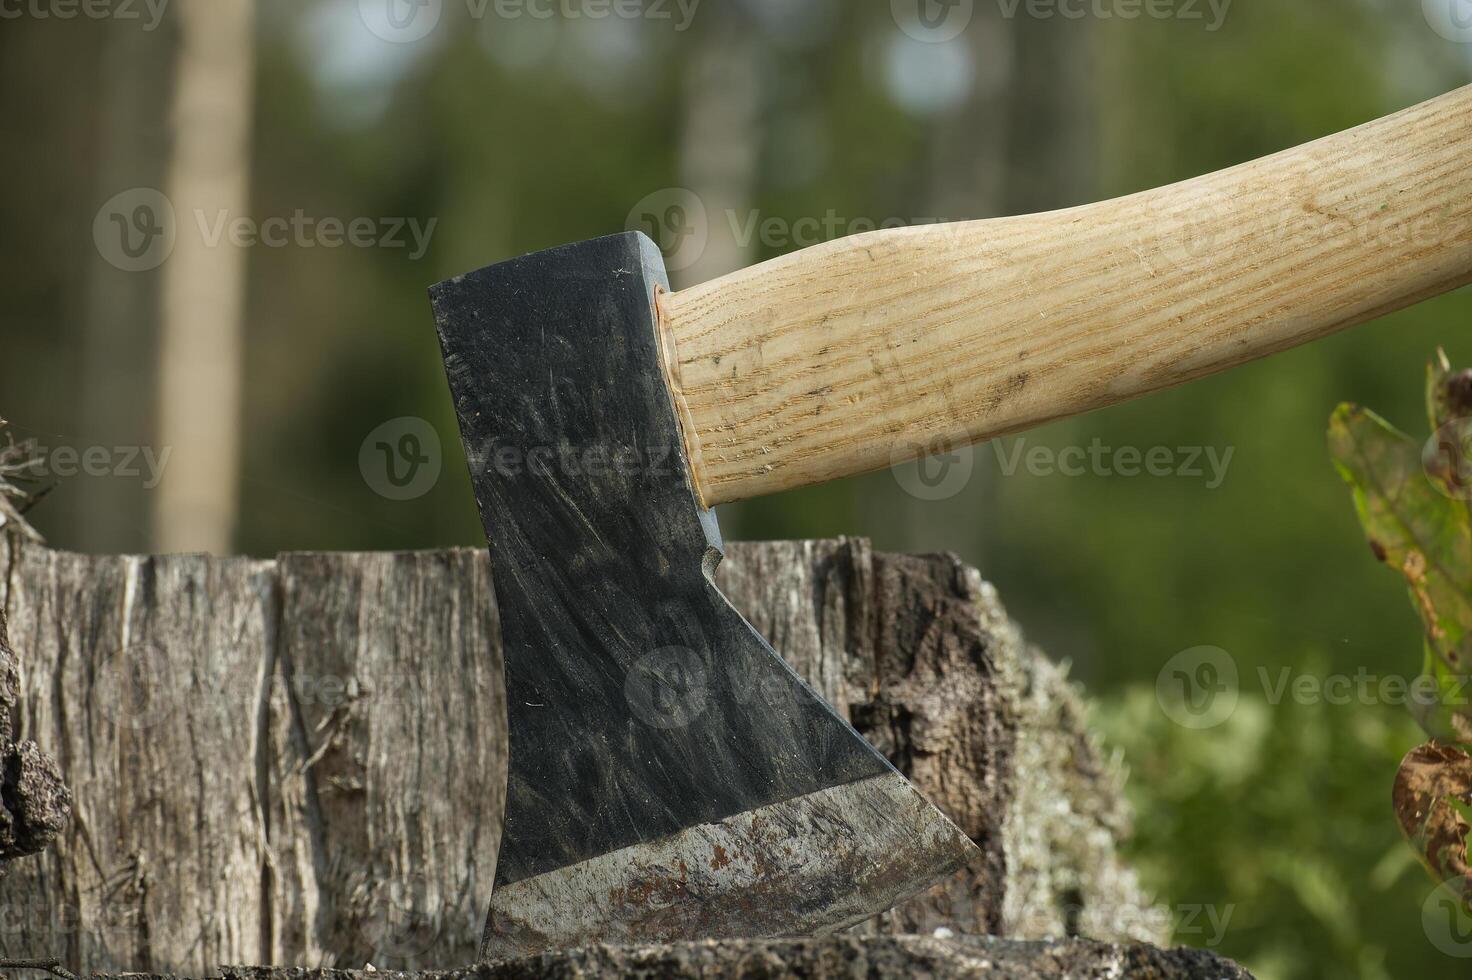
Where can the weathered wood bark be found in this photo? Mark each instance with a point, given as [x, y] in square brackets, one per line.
[35, 803]
[301, 762]
[970, 957]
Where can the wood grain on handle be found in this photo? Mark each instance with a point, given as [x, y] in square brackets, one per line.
[865, 351]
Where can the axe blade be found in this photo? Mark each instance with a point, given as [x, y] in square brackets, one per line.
[670, 776]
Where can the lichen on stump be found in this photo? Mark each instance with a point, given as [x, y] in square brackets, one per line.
[969, 957]
[35, 803]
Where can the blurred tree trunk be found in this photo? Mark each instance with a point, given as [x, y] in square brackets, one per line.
[119, 333]
[721, 138]
[1052, 159]
[203, 283]
[1020, 143]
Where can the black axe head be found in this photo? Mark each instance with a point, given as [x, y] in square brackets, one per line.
[670, 776]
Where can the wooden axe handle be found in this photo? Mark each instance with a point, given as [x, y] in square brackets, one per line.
[866, 351]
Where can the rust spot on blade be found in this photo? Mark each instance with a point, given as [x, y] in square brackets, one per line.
[653, 889]
[720, 860]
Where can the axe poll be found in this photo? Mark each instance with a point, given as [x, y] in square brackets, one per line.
[670, 777]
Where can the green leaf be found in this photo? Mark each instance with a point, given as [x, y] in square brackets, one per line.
[1433, 800]
[1412, 500]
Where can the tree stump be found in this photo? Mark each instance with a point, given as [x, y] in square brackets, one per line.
[964, 958]
[301, 761]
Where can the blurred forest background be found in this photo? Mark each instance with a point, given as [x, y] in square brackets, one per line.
[741, 129]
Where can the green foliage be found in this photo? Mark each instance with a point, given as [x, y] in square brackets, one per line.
[1412, 500]
[1272, 820]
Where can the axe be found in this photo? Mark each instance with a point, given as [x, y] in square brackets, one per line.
[670, 777]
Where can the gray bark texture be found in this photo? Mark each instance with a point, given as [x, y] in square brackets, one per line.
[35, 803]
[845, 956]
[301, 761]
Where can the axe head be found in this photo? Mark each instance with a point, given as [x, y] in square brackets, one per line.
[670, 776]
